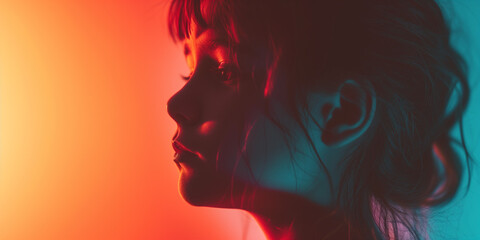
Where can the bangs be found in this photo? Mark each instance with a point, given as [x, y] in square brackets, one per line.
[203, 13]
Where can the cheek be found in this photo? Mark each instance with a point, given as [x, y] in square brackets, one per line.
[280, 161]
[259, 153]
[270, 155]
[221, 127]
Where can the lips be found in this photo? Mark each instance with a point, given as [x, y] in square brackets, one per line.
[187, 158]
[184, 155]
[179, 147]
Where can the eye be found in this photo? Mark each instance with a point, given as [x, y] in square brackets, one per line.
[226, 73]
[223, 72]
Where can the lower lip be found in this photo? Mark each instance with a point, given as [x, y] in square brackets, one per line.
[185, 158]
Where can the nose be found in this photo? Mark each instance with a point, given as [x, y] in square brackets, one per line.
[184, 107]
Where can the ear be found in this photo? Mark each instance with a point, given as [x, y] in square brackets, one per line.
[348, 116]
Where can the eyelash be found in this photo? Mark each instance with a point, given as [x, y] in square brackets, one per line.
[220, 71]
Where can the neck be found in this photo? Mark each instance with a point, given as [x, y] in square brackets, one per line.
[301, 228]
[285, 216]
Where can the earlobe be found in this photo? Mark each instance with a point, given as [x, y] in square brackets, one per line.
[351, 116]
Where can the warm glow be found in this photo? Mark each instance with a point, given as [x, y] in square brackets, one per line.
[85, 148]
[207, 127]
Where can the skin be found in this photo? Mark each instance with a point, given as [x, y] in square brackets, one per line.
[287, 187]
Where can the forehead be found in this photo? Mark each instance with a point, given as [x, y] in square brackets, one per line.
[204, 41]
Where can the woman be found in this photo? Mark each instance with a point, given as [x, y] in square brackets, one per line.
[323, 119]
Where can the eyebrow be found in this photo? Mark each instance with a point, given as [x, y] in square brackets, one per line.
[210, 44]
[216, 42]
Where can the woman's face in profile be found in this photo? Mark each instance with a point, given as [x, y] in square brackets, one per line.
[210, 120]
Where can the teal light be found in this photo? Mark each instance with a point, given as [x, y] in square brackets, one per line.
[461, 218]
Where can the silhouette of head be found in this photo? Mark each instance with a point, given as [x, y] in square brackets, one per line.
[337, 102]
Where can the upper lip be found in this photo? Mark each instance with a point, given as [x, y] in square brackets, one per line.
[179, 147]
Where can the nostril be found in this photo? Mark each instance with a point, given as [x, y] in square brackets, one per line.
[179, 118]
[183, 107]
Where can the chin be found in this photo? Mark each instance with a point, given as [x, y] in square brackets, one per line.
[201, 187]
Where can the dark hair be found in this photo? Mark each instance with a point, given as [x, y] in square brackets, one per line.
[400, 48]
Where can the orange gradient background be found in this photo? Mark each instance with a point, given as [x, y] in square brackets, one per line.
[85, 137]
